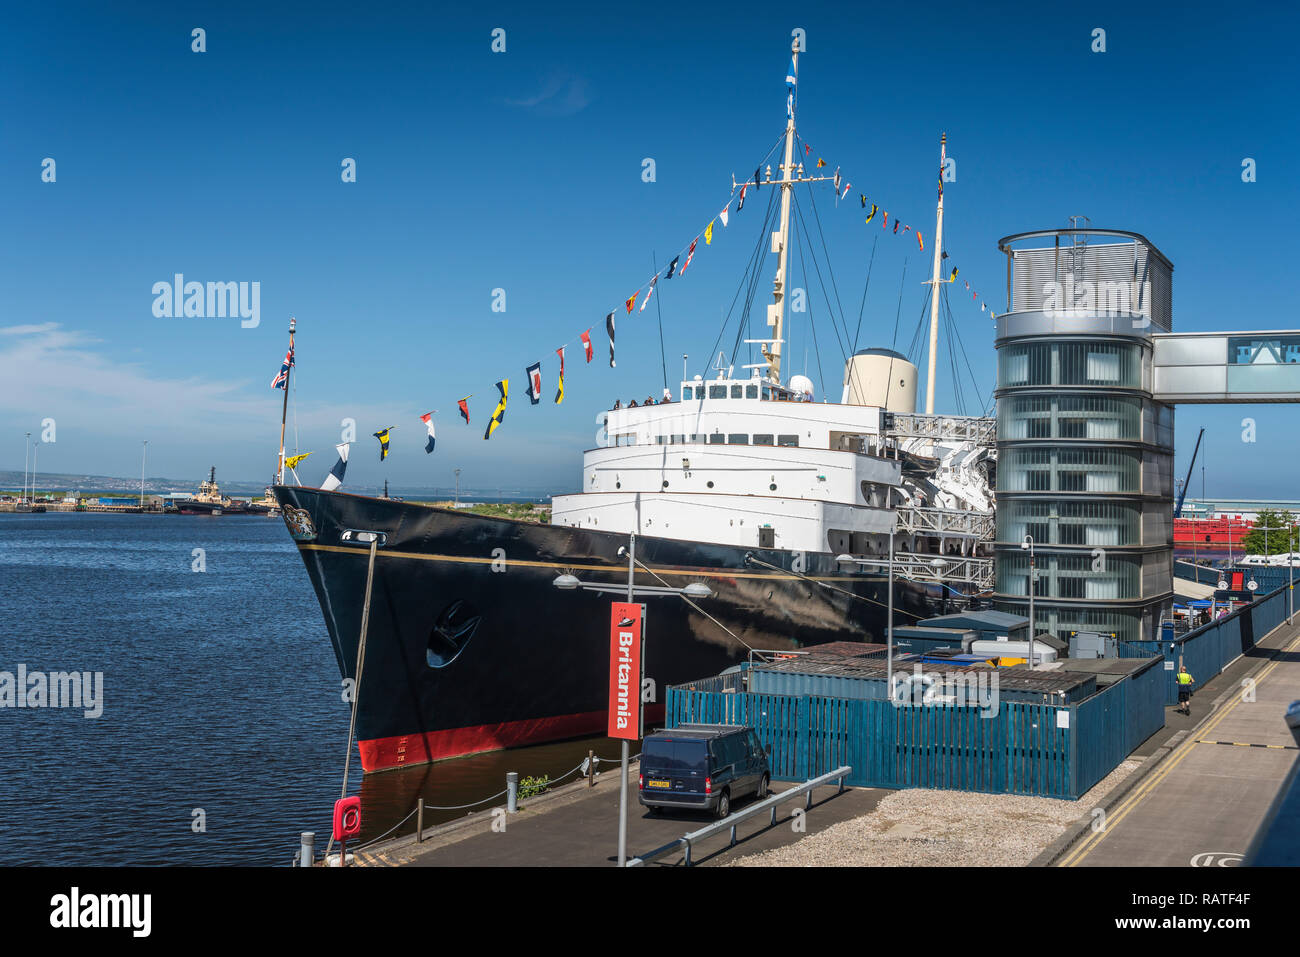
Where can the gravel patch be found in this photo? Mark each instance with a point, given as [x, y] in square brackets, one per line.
[925, 828]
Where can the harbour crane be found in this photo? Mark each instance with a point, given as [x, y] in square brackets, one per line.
[1178, 509]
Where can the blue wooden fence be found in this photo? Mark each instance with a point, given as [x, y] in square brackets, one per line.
[1209, 649]
[1022, 749]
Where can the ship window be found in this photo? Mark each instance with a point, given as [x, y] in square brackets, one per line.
[751, 392]
[717, 392]
[767, 392]
[687, 393]
[737, 438]
[679, 439]
[788, 441]
[717, 438]
[763, 440]
[661, 440]
[697, 437]
[736, 391]
[767, 537]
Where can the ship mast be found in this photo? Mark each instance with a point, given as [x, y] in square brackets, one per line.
[284, 409]
[935, 280]
[781, 241]
[792, 174]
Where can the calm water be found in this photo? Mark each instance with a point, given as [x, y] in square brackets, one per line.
[220, 693]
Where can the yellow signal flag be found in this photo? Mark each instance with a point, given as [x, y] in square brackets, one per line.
[499, 415]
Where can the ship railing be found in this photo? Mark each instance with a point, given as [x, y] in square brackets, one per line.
[687, 842]
[947, 522]
[937, 569]
[980, 430]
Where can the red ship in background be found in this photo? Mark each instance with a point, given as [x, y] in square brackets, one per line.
[1213, 533]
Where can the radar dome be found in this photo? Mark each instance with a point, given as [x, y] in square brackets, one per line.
[802, 385]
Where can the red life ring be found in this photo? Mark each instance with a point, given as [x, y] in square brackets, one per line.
[347, 817]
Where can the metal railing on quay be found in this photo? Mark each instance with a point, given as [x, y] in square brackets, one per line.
[689, 840]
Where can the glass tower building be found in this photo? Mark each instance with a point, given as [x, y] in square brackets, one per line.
[1085, 454]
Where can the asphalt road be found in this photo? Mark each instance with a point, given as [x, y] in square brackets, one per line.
[1202, 805]
[578, 827]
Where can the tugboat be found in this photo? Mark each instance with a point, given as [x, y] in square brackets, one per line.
[487, 632]
[210, 501]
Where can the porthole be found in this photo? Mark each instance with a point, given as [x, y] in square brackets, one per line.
[618, 485]
[665, 483]
[772, 487]
[710, 485]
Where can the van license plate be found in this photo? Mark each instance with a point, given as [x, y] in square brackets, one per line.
[659, 784]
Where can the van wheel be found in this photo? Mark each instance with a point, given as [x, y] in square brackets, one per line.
[762, 788]
[653, 811]
[724, 804]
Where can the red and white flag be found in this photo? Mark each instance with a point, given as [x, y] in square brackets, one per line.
[648, 293]
[586, 344]
[690, 253]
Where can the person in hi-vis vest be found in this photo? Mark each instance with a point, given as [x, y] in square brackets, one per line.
[1185, 682]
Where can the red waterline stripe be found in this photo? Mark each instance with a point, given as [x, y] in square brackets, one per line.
[381, 754]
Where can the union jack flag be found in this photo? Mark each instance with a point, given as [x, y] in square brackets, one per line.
[281, 380]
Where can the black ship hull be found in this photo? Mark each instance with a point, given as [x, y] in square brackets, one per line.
[470, 647]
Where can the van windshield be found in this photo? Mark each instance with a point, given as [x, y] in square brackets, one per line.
[680, 754]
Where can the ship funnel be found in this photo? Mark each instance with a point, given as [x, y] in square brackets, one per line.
[882, 378]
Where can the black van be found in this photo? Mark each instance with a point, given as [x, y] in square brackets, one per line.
[702, 766]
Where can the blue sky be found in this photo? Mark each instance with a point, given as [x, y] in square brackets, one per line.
[522, 171]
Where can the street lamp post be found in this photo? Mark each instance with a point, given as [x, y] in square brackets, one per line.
[457, 503]
[1028, 544]
[845, 559]
[1290, 563]
[889, 624]
[144, 454]
[568, 582]
[622, 784]
[26, 449]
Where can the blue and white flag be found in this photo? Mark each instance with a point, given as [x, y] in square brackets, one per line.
[534, 390]
[335, 478]
[790, 81]
[427, 419]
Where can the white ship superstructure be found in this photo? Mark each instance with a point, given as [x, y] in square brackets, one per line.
[752, 462]
[747, 462]
[742, 462]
